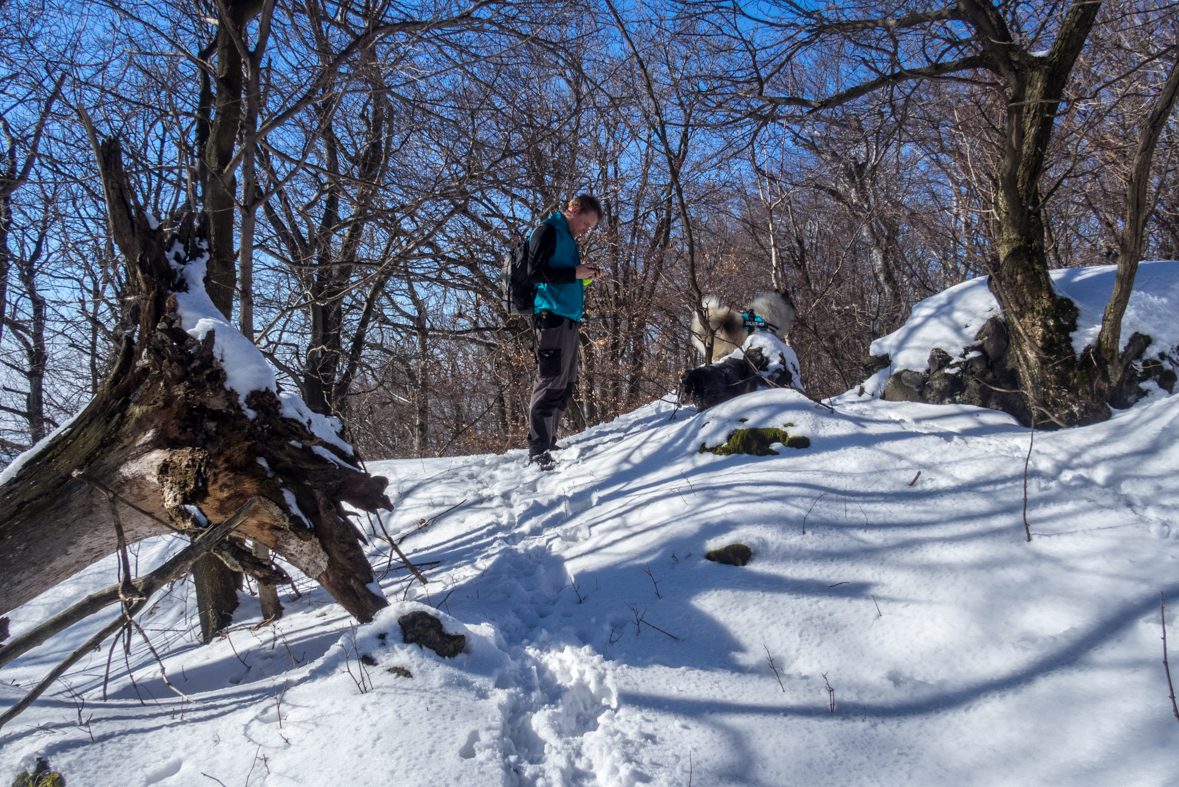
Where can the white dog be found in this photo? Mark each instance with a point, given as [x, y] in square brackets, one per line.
[769, 311]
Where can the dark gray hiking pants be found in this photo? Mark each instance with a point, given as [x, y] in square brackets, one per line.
[556, 375]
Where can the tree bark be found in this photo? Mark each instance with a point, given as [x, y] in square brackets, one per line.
[216, 593]
[1041, 323]
[166, 435]
[420, 374]
[1137, 210]
[218, 145]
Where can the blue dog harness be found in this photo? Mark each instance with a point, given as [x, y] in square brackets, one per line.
[755, 323]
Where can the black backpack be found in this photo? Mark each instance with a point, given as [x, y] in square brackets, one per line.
[518, 292]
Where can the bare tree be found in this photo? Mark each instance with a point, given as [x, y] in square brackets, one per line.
[1022, 58]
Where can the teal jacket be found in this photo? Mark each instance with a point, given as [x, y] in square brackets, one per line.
[552, 258]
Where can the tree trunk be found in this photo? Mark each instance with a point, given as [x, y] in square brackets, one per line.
[267, 591]
[1137, 210]
[218, 144]
[166, 436]
[1040, 322]
[32, 336]
[421, 391]
[216, 591]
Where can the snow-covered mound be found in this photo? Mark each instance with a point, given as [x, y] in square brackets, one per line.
[894, 625]
[951, 319]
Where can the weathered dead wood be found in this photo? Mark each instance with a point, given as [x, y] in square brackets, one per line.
[166, 435]
[144, 588]
[141, 588]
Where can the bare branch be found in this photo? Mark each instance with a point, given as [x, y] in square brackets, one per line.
[935, 71]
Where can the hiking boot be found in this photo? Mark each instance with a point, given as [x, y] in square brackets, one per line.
[544, 460]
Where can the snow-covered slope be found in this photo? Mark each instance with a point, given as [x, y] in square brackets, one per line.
[604, 650]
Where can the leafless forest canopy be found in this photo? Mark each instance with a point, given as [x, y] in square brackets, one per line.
[372, 162]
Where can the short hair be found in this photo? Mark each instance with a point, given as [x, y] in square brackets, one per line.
[586, 202]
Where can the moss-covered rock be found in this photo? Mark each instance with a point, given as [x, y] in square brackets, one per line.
[944, 386]
[874, 363]
[732, 555]
[757, 442]
[41, 776]
[938, 359]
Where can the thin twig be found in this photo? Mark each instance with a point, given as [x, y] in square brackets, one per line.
[878, 612]
[160, 662]
[820, 402]
[254, 763]
[438, 606]
[278, 702]
[388, 540]
[436, 517]
[577, 592]
[654, 581]
[774, 668]
[126, 590]
[678, 404]
[808, 511]
[1027, 460]
[1166, 665]
[915, 478]
[641, 617]
[1031, 402]
[408, 565]
[106, 676]
[661, 631]
[239, 657]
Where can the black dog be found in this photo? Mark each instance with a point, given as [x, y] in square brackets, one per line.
[714, 383]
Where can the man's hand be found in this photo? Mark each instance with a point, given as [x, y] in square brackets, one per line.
[587, 272]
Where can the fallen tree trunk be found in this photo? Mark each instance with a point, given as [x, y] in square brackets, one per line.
[185, 429]
[134, 596]
[129, 591]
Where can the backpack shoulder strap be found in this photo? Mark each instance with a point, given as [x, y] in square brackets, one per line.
[541, 244]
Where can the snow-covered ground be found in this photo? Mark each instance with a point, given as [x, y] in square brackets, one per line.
[604, 650]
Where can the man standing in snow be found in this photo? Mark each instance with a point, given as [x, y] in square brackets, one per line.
[555, 268]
